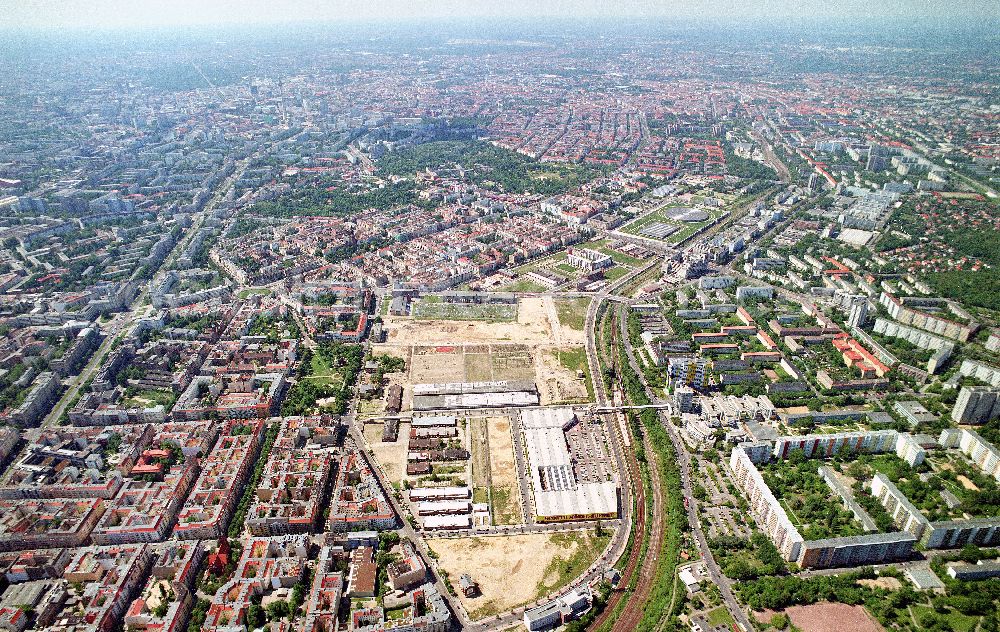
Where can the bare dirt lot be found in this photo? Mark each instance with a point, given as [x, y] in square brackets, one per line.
[827, 617]
[502, 465]
[478, 367]
[892, 583]
[440, 351]
[392, 456]
[469, 363]
[437, 364]
[537, 321]
[556, 383]
[966, 483]
[510, 569]
[505, 493]
[512, 362]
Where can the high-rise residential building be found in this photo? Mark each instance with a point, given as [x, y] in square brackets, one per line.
[976, 405]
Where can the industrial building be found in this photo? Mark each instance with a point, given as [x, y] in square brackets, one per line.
[558, 612]
[474, 395]
[558, 494]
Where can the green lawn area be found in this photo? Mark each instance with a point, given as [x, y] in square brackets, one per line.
[721, 616]
[524, 285]
[547, 261]
[567, 566]
[436, 310]
[576, 359]
[956, 620]
[321, 370]
[572, 312]
[615, 273]
[247, 293]
[149, 398]
[504, 510]
[396, 613]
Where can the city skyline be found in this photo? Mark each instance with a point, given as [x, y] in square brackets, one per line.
[468, 317]
[192, 13]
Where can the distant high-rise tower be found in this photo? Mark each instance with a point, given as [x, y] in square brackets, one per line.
[683, 398]
[858, 314]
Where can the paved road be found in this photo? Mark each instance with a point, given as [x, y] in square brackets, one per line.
[684, 462]
[121, 323]
[406, 531]
[590, 327]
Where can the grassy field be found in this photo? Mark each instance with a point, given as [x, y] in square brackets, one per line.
[613, 274]
[478, 367]
[151, 397]
[955, 620]
[321, 370]
[572, 312]
[432, 310]
[247, 293]
[503, 508]
[576, 360]
[524, 285]
[581, 549]
[686, 228]
[721, 616]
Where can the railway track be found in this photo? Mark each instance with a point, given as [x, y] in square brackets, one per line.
[628, 620]
[633, 560]
[634, 610]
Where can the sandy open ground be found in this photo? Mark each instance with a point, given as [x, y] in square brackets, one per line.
[436, 364]
[556, 383]
[439, 351]
[392, 456]
[508, 568]
[966, 483]
[502, 466]
[536, 322]
[892, 583]
[506, 500]
[827, 617]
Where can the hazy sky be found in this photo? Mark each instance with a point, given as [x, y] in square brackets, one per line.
[140, 13]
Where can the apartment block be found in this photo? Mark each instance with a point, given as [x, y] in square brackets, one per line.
[976, 405]
[907, 311]
[588, 260]
[827, 445]
[224, 473]
[45, 524]
[358, 501]
[689, 370]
